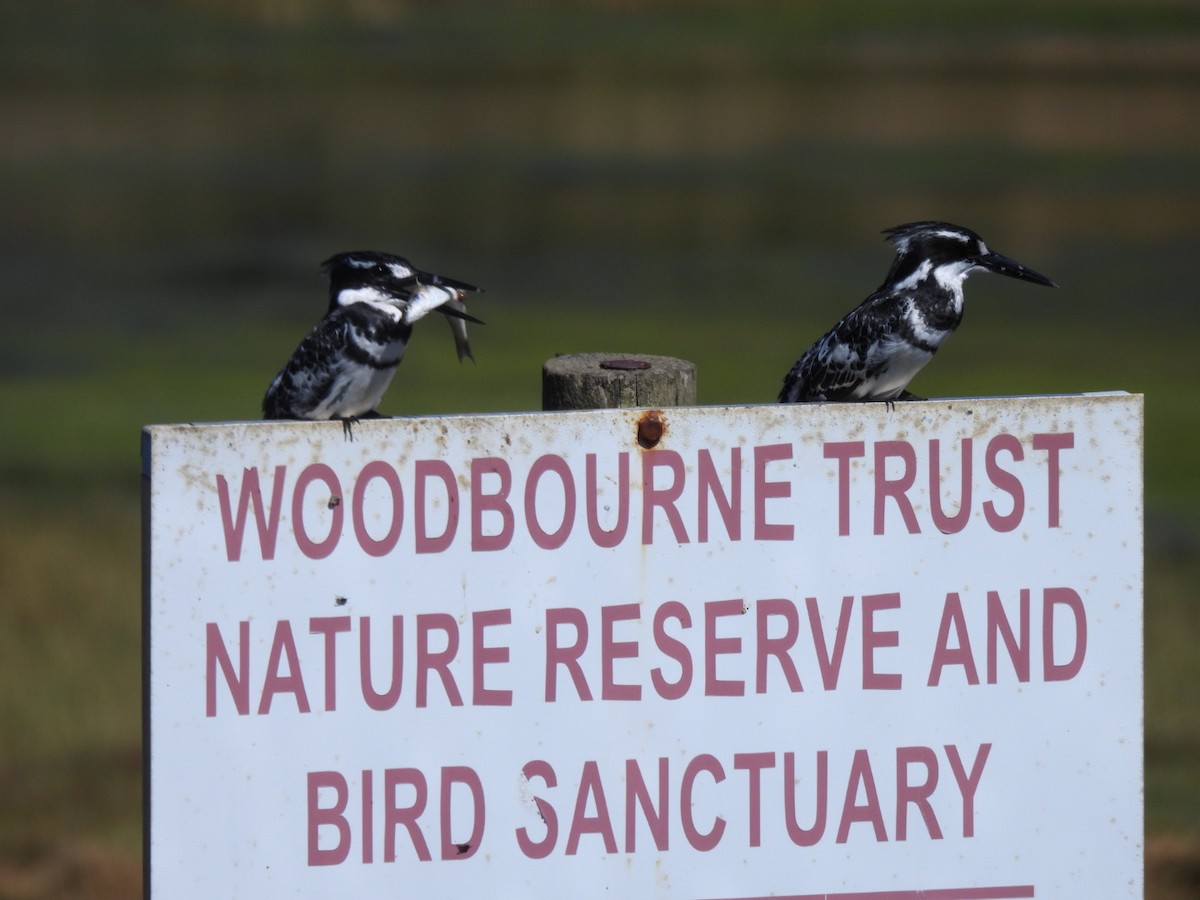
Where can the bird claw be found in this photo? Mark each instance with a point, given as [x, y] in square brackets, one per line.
[349, 421]
[904, 396]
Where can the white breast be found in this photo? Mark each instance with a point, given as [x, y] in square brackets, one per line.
[903, 362]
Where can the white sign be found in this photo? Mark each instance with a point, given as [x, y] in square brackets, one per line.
[813, 651]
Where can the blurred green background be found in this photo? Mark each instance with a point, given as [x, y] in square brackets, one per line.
[703, 179]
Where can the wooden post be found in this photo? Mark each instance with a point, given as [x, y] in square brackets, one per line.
[617, 380]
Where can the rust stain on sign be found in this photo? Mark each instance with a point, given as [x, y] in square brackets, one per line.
[651, 426]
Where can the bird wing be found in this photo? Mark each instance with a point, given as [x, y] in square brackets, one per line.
[320, 377]
[839, 362]
[310, 370]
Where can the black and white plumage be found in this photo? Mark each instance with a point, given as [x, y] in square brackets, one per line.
[877, 348]
[344, 365]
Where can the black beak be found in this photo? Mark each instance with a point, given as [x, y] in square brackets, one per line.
[443, 281]
[456, 314]
[1002, 265]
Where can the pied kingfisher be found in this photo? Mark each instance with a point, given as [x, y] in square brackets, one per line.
[344, 365]
[877, 348]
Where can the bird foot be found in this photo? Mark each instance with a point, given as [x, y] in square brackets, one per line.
[348, 422]
[904, 396]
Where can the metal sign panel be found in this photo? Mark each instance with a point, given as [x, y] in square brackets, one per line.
[813, 651]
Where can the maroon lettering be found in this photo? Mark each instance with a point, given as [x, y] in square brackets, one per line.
[896, 488]
[777, 647]
[753, 764]
[468, 778]
[1052, 444]
[637, 794]
[332, 816]
[959, 655]
[611, 649]
[869, 811]
[368, 816]
[590, 786]
[483, 655]
[674, 649]
[805, 837]
[405, 800]
[599, 536]
[944, 523]
[333, 502]
[568, 657]
[718, 646]
[830, 662]
[1066, 597]
[276, 683]
[968, 784]
[549, 540]
[664, 498]
[729, 505]
[384, 472]
[702, 841]
[873, 640]
[215, 654]
[649, 803]
[998, 626]
[330, 627]
[1005, 481]
[909, 794]
[375, 700]
[429, 660]
[540, 849]
[495, 503]
[843, 452]
[423, 471]
[766, 490]
[267, 522]
[395, 815]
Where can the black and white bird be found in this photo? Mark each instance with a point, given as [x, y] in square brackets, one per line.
[877, 348]
[344, 365]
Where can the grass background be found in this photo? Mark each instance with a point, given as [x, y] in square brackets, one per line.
[704, 180]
